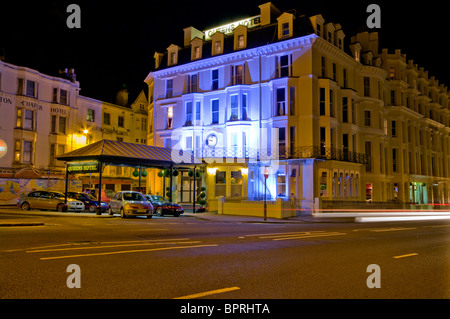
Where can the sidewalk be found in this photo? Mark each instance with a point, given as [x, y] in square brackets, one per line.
[214, 216]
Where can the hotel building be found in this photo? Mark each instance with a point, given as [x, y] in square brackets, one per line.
[44, 116]
[333, 125]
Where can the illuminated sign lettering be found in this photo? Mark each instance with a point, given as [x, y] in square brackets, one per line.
[87, 167]
[229, 28]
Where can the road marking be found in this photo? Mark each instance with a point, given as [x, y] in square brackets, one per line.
[311, 236]
[112, 246]
[125, 252]
[286, 233]
[407, 255]
[391, 229]
[208, 293]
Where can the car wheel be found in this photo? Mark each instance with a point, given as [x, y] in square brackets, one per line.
[122, 213]
[176, 214]
[25, 206]
[110, 212]
[149, 216]
[92, 208]
[159, 211]
[60, 207]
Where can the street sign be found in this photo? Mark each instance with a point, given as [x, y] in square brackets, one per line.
[84, 167]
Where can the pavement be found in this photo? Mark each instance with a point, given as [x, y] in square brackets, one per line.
[11, 216]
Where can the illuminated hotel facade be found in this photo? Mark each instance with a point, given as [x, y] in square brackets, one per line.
[332, 125]
[43, 116]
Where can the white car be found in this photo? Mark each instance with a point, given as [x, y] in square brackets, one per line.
[130, 203]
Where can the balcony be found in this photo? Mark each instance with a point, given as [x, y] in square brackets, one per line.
[283, 153]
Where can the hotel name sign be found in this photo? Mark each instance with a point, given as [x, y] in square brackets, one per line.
[229, 28]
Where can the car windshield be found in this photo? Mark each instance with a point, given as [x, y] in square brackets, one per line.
[89, 196]
[133, 196]
[157, 198]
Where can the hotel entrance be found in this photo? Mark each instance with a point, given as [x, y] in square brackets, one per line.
[418, 193]
[187, 187]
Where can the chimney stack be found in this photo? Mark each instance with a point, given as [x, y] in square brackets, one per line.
[122, 97]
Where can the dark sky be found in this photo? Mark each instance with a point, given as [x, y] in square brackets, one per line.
[117, 39]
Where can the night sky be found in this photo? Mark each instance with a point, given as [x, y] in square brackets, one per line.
[117, 39]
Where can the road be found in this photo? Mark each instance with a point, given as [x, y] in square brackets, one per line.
[188, 257]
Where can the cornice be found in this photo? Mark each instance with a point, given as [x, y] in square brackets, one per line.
[270, 49]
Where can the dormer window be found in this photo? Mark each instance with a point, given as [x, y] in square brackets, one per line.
[196, 51]
[217, 43]
[285, 25]
[240, 37]
[172, 54]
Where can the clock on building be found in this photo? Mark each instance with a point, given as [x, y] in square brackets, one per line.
[211, 140]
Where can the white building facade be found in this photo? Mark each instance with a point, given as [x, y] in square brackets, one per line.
[279, 91]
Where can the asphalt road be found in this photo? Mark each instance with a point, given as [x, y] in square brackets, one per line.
[186, 257]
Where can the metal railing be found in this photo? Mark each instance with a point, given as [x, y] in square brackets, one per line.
[283, 152]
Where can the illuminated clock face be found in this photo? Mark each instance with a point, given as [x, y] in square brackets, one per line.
[211, 140]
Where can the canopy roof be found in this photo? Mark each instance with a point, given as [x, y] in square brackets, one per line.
[122, 153]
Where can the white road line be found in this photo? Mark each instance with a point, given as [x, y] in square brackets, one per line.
[112, 246]
[311, 236]
[208, 293]
[126, 252]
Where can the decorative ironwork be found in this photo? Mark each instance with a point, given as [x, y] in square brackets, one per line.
[284, 153]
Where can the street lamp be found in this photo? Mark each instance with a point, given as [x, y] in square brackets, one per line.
[266, 176]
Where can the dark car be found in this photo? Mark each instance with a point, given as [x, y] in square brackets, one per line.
[163, 206]
[90, 202]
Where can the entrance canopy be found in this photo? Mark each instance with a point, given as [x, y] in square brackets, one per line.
[93, 157]
[122, 153]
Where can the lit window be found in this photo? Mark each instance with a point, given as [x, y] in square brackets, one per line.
[197, 53]
[173, 58]
[237, 72]
[169, 117]
[241, 41]
[218, 47]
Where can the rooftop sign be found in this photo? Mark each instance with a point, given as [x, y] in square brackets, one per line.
[229, 28]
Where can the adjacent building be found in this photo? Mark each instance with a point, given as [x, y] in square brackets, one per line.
[44, 116]
[280, 93]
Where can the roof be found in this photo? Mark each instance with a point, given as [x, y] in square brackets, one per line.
[132, 154]
[258, 36]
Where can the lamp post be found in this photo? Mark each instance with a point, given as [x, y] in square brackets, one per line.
[266, 176]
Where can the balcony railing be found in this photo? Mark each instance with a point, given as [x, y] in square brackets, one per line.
[282, 153]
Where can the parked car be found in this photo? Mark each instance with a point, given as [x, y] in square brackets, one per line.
[130, 203]
[162, 206]
[107, 194]
[90, 202]
[49, 200]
